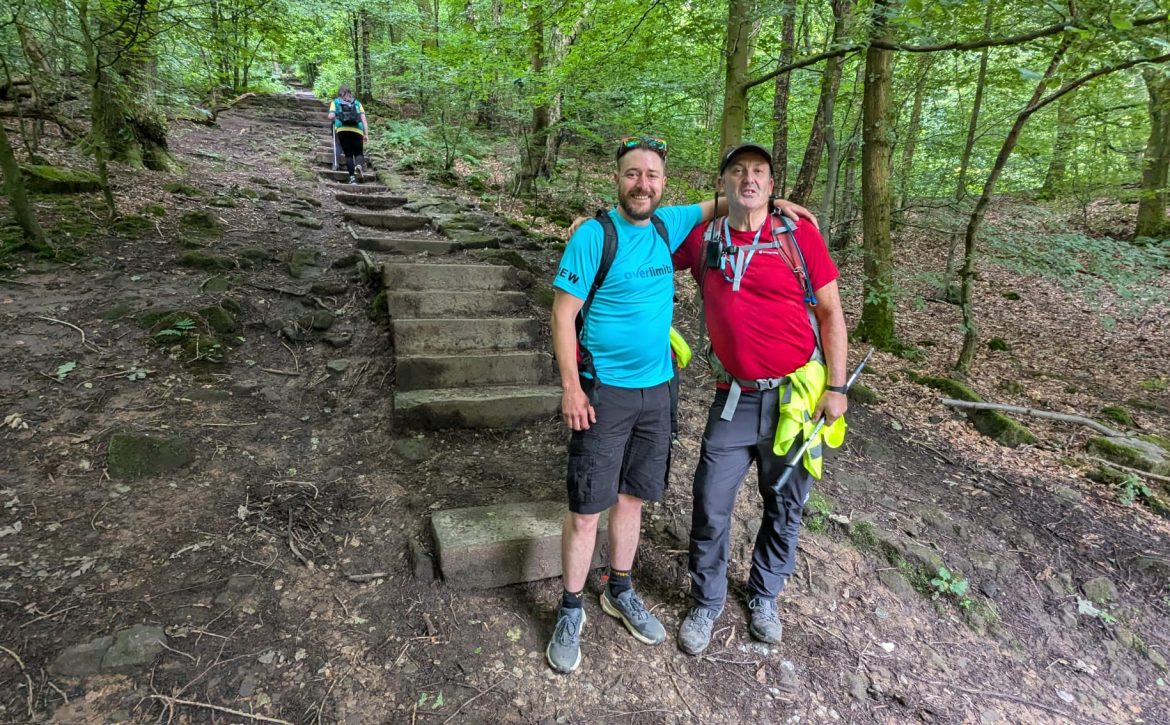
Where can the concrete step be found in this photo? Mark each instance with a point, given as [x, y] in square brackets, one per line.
[404, 245]
[453, 277]
[342, 175]
[417, 372]
[325, 158]
[492, 546]
[446, 335]
[432, 304]
[371, 201]
[485, 407]
[393, 222]
[343, 188]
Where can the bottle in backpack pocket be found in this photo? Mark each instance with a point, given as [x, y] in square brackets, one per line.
[347, 113]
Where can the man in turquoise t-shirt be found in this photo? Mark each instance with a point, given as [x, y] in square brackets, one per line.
[620, 429]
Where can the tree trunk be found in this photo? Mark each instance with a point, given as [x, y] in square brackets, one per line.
[1151, 216]
[532, 161]
[877, 311]
[830, 81]
[355, 34]
[742, 27]
[910, 138]
[367, 79]
[834, 164]
[780, 100]
[559, 45]
[34, 236]
[1054, 178]
[839, 238]
[966, 275]
[944, 292]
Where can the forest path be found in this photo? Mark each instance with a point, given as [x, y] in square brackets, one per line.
[283, 559]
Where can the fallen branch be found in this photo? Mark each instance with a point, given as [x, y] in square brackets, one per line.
[475, 697]
[1137, 471]
[1019, 410]
[172, 701]
[27, 679]
[75, 327]
[367, 577]
[1003, 696]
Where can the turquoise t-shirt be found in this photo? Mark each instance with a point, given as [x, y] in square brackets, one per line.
[628, 328]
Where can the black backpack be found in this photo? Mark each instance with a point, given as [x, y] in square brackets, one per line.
[347, 111]
[609, 246]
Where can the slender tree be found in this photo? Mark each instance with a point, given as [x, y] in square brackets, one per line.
[743, 25]
[780, 100]
[1151, 215]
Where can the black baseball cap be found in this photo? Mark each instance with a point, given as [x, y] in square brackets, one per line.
[742, 148]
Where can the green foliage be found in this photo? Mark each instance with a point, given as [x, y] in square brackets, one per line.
[947, 584]
[1117, 414]
[817, 510]
[1131, 488]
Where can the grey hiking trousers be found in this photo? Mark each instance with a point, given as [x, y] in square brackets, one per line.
[729, 447]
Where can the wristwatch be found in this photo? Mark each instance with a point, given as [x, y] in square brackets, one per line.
[838, 389]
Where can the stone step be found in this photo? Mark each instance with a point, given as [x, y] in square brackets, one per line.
[417, 372]
[492, 546]
[418, 335]
[325, 158]
[486, 407]
[342, 175]
[404, 245]
[393, 222]
[434, 304]
[371, 201]
[375, 188]
[453, 277]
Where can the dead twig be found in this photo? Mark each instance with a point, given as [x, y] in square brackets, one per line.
[1034, 412]
[75, 327]
[228, 425]
[274, 371]
[473, 698]
[178, 652]
[47, 616]
[1137, 471]
[367, 577]
[27, 679]
[1004, 696]
[292, 545]
[170, 702]
[681, 696]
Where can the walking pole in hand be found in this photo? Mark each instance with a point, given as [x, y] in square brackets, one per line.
[333, 129]
[792, 461]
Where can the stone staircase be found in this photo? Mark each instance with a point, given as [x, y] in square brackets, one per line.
[469, 351]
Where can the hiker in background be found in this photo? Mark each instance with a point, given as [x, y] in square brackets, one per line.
[771, 305]
[351, 128]
[614, 371]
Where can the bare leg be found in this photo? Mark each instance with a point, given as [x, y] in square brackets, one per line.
[577, 538]
[625, 525]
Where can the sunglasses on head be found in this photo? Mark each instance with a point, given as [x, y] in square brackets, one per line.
[629, 143]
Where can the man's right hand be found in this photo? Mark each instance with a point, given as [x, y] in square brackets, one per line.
[577, 224]
[576, 410]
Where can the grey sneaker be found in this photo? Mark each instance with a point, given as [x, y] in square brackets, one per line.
[695, 633]
[564, 649]
[765, 624]
[352, 180]
[630, 608]
[361, 174]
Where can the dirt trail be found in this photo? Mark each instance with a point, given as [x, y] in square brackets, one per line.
[245, 557]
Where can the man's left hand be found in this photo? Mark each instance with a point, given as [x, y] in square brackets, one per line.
[832, 406]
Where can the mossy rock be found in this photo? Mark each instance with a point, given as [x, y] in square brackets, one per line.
[270, 196]
[203, 260]
[477, 181]
[296, 214]
[998, 344]
[119, 311]
[262, 181]
[1160, 441]
[59, 180]
[991, 423]
[309, 223]
[1108, 475]
[1117, 414]
[137, 456]
[223, 202]
[379, 312]
[1155, 385]
[178, 187]
[306, 199]
[863, 394]
[216, 285]
[319, 320]
[1012, 387]
[544, 296]
[255, 254]
[157, 210]
[247, 193]
[505, 257]
[1012, 296]
[299, 261]
[1148, 405]
[132, 226]
[1132, 453]
[202, 221]
[220, 319]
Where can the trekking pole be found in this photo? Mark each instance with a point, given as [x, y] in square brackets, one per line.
[792, 461]
[333, 131]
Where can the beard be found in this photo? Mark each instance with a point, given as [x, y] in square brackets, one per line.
[627, 205]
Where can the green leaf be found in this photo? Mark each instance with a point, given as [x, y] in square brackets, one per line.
[944, 573]
[438, 702]
[422, 698]
[64, 369]
[167, 333]
[1120, 21]
[959, 587]
[1029, 75]
[185, 324]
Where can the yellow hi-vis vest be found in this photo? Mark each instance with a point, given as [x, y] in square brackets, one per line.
[797, 403]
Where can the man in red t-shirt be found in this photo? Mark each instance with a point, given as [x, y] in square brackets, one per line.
[755, 309]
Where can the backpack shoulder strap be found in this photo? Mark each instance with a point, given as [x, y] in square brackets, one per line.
[660, 227]
[608, 252]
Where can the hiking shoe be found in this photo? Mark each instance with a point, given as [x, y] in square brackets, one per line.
[765, 624]
[695, 633]
[564, 649]
[352, 179]
[630, 608]
[361, 174]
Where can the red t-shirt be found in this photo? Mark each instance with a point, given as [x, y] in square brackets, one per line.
[761, 330]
